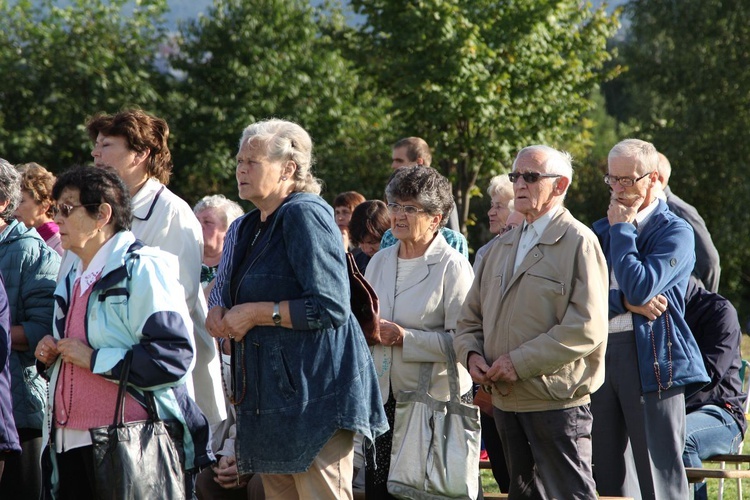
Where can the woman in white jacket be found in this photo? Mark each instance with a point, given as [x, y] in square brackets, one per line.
[421, 283]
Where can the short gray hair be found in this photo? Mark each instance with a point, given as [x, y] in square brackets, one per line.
[228, 210]
[644, 153]
[555, 162]
[10, 189]
[285, 140]
[424, 185]
[500, 185]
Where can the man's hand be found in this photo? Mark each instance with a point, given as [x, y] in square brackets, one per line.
[502, 370]
[478, 368]
[623, 209]
[651, 309]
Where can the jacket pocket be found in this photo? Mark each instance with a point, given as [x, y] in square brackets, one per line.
[283, 374]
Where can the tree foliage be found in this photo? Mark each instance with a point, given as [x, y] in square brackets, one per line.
[247, 60]
[63, 64]
[481, 79]
[687, 90]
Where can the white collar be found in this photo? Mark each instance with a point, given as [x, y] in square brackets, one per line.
[92, 273]
[642, 217]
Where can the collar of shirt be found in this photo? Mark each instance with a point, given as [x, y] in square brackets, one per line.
[642, 217]
[92, 273]
[541, 223]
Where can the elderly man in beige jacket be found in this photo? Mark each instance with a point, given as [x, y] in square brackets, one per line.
[533, 331]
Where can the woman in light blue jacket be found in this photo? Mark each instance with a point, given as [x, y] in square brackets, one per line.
[119, 296]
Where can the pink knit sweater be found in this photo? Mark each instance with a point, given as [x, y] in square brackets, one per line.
[93, 397]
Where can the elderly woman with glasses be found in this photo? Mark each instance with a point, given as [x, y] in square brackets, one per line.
[302, 382]
[421, 282]
[118, 297]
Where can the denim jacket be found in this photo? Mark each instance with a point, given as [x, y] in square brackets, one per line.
[297, 386]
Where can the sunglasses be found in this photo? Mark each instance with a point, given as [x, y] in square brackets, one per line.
[65, 209]
[530, 177]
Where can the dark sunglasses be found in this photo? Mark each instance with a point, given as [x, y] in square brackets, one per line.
[65, 209]
[530, 177]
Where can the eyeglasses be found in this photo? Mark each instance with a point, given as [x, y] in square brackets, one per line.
[624, 181]
[65, 209]
[396, 209]
[530, 177]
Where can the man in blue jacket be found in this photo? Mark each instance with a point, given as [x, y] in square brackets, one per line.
[652, 359]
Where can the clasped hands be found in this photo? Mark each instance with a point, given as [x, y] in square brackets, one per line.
[502, 369]
[231, 323]
[72, 351]
[227, 475]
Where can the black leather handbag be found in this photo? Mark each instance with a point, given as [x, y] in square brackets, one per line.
[138, 460]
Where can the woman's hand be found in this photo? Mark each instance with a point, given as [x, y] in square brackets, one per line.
[391, 333]
[46, 350]
[651, 309]
[214, 323]
[239, 319]
[226, 474]
[76, 352]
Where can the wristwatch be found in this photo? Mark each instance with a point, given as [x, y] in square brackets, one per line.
[276, 316]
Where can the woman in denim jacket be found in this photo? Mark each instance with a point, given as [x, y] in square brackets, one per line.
[303, 381]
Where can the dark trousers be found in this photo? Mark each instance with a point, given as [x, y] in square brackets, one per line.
[494, 447]
[638, 438]
[22, 477]
[548, 453]
[76, 473]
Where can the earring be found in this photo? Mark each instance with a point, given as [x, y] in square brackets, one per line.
[283, 177]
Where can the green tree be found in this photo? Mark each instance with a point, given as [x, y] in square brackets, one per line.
[247, 60]
[480, 79]
[687, 90]
[63, 64]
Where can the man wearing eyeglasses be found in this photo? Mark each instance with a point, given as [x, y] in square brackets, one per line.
[652, 359]
[532, 332]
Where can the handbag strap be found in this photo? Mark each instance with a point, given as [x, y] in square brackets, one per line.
[425, 371]
[119, 417]
[150, 405]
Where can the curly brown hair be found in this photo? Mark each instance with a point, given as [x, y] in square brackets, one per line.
[37, 182]
[143, 132]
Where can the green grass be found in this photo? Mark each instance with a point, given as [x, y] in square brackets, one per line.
[730, 486]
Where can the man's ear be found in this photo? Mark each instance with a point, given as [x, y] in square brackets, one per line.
[561, 185]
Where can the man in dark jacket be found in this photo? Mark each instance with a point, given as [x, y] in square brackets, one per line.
[715, 414]
[707, 264]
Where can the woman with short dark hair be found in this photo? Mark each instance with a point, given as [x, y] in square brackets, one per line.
[421, 283]
[119, 296]
[370, 220]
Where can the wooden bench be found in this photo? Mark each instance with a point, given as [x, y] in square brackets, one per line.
[698, 474]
